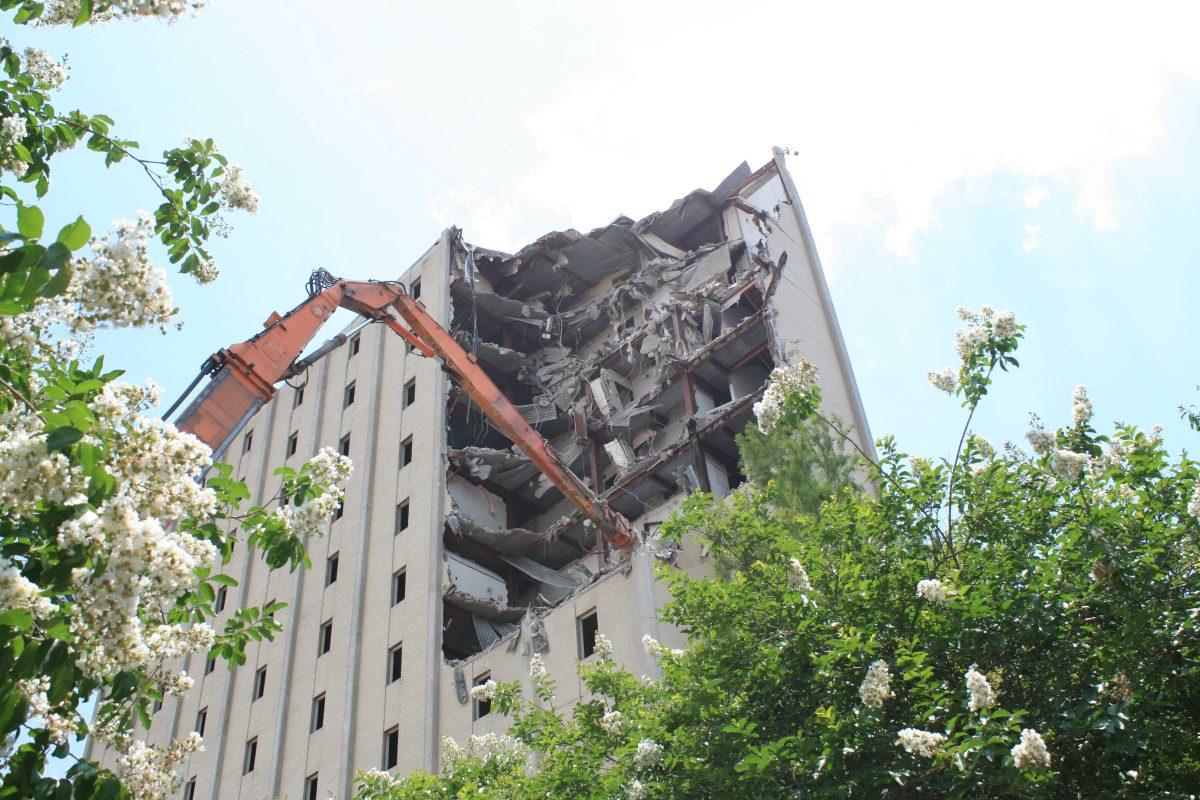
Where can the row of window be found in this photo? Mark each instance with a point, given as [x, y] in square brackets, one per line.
[293, 441]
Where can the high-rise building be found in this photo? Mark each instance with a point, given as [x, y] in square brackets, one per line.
[638, 351]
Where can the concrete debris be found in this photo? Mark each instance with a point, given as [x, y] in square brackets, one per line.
[633, 348]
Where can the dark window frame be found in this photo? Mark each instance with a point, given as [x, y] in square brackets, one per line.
[587, 628]
[399, 585]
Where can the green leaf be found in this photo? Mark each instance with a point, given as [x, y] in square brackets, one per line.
[75, 235]
[19, 618]
[62, 438]
[30, 221]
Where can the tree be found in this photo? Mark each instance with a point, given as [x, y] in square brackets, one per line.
[991, 624]
[111, 539]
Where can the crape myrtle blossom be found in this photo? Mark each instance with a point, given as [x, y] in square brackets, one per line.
[876, 686]
[649, 753]
[328, 468]
[18, 592]
[537, 669]
[484, 691]
[1081, 406]
[980, 696]
[797, 577]
[1194, 503]
[983, 329]
[612, 721]
[30, 475]
[488, 747]
[118, 286]
[59, 721]
[64, 12]
[47, 74]
[604, 647]
[12, 131]
[148, 770]
[1031, 751]
[784, 381]
[1068, 463]
[636, 790]
[658, 651]
[237, 191]
[919, 742]
[933, 591]
[946, 380]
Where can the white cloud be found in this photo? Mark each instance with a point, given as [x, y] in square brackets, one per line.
[888, 105]
[1035, 196]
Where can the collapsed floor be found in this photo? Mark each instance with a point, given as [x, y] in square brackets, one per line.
[637, 351]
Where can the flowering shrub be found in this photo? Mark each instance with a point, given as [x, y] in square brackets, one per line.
[988, 624]
[111, 540]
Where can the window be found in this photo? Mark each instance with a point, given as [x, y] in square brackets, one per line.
[406, 452]
[251, 754]
[410, 392]
[398, 581]
[298, 398]
[210, 665]
[247, 442]
[402, 516]
[414, 289]
[355, 344]
[158, 705]
[482, 707]
[325, 639]
[391, 748]
[189, 791]
[310, 787]
[201, 720]
[344, 445]
[348, 397]
[341, 508]
[293, 443]
[331, 565]
[588, 626]
[222, 595]
[395, 662]
[260, 683]
[318, 713]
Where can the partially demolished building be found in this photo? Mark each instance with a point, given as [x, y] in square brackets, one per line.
[638, 351]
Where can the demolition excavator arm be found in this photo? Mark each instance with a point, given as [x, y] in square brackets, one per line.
[243, 378]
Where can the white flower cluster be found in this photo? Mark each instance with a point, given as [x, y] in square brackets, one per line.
[1041, 440]
[876, 686]
[17, 591]
[237, 191]
[784, 381]
[922, 743]
[118, 286]
[946, 380]
[489, 747]
[635, 790]
[30, 475]
[979, 692]
[12, 131]
[47, 74]
[657, 650]
[59, 721]
[1081, 406]
[1031, 751]
[327, 468]
[933, 591]
[484, 691]
[983, 328]
[64, 12]
[537, 669]
[612, 721]
[176, 684]
[1068, 463]
[146, 566]
[206, 272]
[649, 753]
[604, 647]
[147, 771]
[982, 446]
[797, 577]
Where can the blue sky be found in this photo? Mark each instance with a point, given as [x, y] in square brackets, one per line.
[1039, 160]
[1033, 158]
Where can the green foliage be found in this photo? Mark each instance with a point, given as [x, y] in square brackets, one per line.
[1075, 596]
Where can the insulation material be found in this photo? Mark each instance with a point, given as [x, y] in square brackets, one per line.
[621, 453]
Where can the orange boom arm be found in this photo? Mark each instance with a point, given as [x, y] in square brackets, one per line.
[245, 375]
